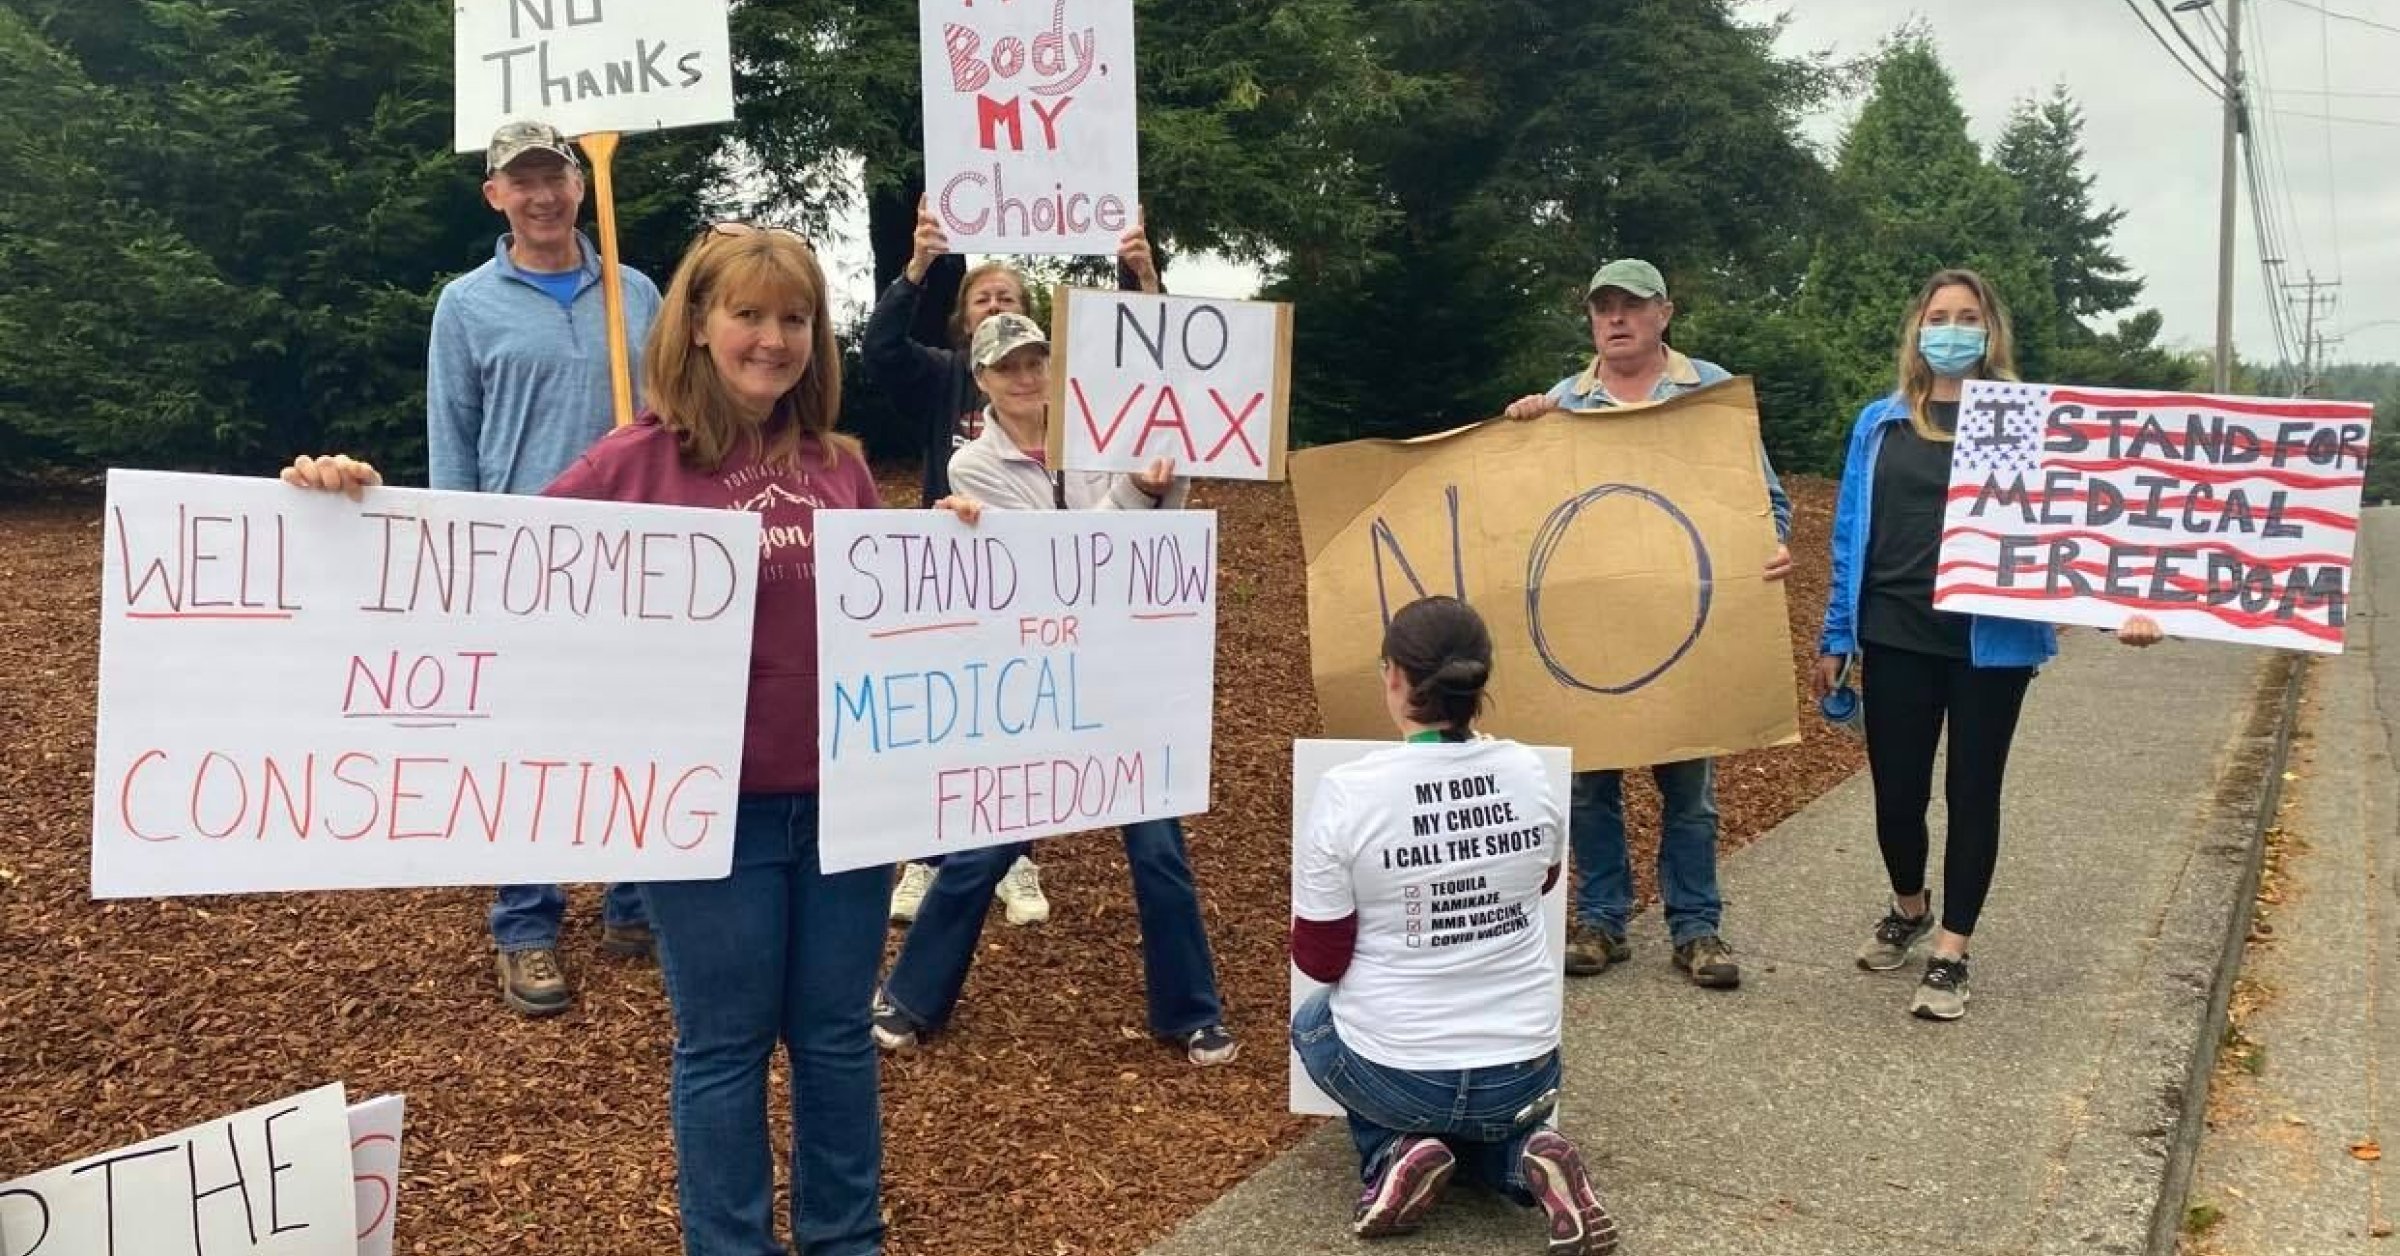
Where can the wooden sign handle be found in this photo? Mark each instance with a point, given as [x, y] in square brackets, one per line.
[601, 147]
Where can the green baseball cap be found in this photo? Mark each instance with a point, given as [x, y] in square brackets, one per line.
[1004, 334]
[1630, 273]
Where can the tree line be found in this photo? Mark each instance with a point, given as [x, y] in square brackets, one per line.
[223, 225]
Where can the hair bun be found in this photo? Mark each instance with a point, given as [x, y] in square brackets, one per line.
[1462, 675]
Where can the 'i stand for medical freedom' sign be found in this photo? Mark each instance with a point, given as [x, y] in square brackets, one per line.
[591, 65]
[1042, 673]
[302, 692]
[2223, 518]
[1029, 123]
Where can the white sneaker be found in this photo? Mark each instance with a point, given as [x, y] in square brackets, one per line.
[909, 894]
[1021, 893]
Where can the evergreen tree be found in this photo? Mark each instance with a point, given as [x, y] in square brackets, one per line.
[1913, 195]
[2042, 149]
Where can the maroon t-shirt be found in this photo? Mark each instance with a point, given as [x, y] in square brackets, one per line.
[640, 463]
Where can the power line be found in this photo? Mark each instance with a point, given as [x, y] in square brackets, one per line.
[2333, 189]
[2335, 117]
[2210, 82]
[2343, 17]
[2278, 315]
[2180, 33]
[2278, 173]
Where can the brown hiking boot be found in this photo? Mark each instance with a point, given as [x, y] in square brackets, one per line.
[532, 982]
[634, 941]
[1709, 963]
[1591, 949]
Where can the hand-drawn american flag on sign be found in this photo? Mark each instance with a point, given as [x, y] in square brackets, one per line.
[2003, 441]
[2228, 518]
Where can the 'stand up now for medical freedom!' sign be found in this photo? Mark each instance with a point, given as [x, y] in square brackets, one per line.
[1045, 672]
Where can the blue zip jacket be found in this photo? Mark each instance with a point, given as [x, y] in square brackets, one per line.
[1991, 641]
[516, 385]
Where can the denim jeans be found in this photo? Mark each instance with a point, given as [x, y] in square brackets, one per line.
[776, 952]
[525, 917]
[1687, 849]
[1177, 970]
[1484, 1115]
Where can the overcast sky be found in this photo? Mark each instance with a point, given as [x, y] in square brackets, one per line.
[2151, 137]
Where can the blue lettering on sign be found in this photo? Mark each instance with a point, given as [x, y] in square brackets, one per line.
[900, 710]
[1546, 542]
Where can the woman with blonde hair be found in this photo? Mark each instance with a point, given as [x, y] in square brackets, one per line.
[745, 384]
[941, 409]
[1925, 668]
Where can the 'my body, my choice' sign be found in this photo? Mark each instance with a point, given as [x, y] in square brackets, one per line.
[301, 692]
[1042, 673]
[1029, 123]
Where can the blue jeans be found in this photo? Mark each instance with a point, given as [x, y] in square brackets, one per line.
[1687, 849]
[1484, 1115]
[1179, 974]
[525, 917]
[776, 952]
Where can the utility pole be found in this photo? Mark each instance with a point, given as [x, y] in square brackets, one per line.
[2233, 130]
[2312, 344]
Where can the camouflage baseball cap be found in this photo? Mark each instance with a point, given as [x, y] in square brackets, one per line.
[515, 139]
[1630, 273]
[1004, 334]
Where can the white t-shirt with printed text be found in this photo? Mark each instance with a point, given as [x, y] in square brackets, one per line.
[1441, 850]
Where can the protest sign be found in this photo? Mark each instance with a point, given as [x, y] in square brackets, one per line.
[1029, 123]
[271, 1181]
[588, 66]
[2223, 518]
[1618, 557]
[1311, 760]
[1042, 673]
[375, 1171]
[302, 692]
[1142, 376]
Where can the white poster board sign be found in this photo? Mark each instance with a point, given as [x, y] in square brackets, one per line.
[1311, 760]
[302, 692]
[1045, 672]
[375, 1170]
[272, 1181]
[1141, 376]
[1029, 123]
[591, 65]
[2223, 518]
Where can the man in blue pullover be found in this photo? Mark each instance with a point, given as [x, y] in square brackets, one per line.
[516, 388]
[1632, 364]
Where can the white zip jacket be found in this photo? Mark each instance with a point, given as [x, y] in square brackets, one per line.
[992, 470]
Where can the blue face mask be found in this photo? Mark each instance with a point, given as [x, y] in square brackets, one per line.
[1951, 350]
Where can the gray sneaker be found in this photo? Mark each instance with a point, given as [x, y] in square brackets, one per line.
[1895, 934]
[1591, 949]
[1942, 992]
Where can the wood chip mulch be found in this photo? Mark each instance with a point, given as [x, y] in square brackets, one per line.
[1045, 1122]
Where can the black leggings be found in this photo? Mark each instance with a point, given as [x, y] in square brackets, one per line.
[1908, 697]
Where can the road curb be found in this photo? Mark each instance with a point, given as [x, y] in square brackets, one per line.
[2190, 1118]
